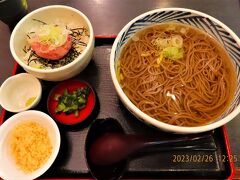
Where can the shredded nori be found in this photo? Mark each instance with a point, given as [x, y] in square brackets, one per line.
[39, 21]
[76, 35]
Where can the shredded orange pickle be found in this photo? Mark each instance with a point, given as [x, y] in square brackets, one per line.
[30, 146]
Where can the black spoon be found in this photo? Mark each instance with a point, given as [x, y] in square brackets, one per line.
[97, 129]
[108, 147]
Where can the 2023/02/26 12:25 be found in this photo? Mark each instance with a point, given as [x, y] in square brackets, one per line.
[203, 158]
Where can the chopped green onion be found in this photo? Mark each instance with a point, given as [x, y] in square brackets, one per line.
[173, 53]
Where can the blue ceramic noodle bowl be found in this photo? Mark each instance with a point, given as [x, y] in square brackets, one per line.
[197, 19]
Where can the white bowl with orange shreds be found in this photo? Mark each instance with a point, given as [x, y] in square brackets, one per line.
[29, 144]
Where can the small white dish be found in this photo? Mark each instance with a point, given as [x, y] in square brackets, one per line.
[9, 170]
[20, 92]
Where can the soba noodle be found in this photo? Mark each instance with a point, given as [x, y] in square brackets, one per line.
[191, 90]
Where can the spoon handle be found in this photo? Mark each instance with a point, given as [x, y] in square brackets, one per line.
[197, 147]
[183, 141]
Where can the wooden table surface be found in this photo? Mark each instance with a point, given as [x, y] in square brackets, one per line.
[109, 16]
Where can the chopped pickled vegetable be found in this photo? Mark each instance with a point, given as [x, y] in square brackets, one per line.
[29, 101]
[72, 102]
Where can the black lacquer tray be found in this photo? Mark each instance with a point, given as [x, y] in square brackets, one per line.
[71, 162]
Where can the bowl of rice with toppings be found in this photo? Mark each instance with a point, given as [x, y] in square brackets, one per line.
[29, 144]
[53, 43]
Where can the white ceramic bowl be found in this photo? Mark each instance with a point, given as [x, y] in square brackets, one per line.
[17, 91]
[50, 14]
[8, 169]
[221, 32]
